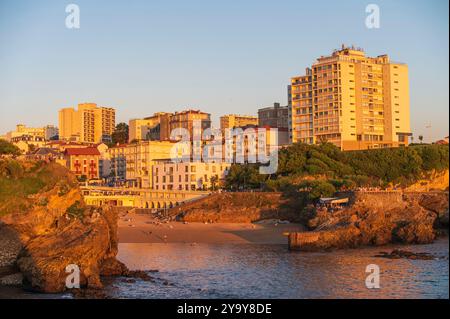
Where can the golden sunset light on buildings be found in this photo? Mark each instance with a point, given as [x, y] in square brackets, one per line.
[90, 123]
[353, 101]
[234, 120]
[155, 127]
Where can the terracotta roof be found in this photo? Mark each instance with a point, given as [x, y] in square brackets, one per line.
[82, 151]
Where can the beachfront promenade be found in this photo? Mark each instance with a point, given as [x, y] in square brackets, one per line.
[138, 197]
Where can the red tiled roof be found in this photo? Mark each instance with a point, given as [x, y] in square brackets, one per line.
[82, 151]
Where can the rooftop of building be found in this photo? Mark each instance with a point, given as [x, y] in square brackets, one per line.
[275, 106]
[240, 115]
[190, 111]
[82, 151]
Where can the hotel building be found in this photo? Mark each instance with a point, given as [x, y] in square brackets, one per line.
[353, 101]
[133, 162]
[189, 176]
[29, 138]
[89, 123]
[23, 130]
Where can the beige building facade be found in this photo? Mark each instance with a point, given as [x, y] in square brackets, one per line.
[353, 101]
[22, 130]
[133, 162]
[234, 120]
[188, 176]
[154, 128]
[89, 123]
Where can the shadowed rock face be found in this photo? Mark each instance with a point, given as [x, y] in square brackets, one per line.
[86, 243]
[57, 230]
[412, 220]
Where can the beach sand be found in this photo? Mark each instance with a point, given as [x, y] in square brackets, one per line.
[140, 228]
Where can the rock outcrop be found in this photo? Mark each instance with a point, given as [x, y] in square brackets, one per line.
[55, 230]
[240, 207]
[373, 220]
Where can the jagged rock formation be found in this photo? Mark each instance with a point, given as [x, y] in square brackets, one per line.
[376, 219]
[55, 229]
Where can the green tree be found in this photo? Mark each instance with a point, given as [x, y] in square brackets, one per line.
[318, 189]
[244, 177]
[8, 148]
[120, 135]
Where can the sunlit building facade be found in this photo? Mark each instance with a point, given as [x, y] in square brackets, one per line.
[89, 123]
[353, 101]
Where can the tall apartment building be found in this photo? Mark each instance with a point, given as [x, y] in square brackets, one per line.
[155, 128]
[89, 123]
[351, 100]
[234, 120]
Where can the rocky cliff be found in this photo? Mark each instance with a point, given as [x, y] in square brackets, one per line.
[51, 229]
[376, 219]
[239, 208]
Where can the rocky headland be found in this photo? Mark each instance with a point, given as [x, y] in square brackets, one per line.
[45, 227]
[375, 218]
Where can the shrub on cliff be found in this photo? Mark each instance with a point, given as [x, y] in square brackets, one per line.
[318, 189]
[20, 180]
[7, 148]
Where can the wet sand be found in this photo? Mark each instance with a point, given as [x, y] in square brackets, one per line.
[137, 228]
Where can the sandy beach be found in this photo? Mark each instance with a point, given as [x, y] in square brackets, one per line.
[139, 228]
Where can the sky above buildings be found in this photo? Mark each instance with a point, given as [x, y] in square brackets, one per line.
[142, 57]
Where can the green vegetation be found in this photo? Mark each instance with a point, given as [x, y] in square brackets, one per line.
[322, 169]
[21, 180]
[7, 148]
[120, 134]
[76, 210]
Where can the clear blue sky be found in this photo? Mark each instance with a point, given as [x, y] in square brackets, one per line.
[222, 57]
